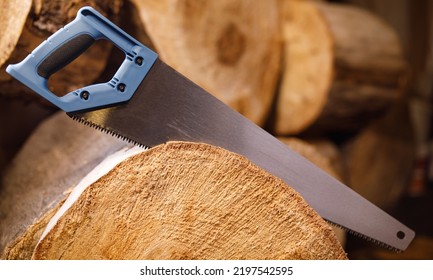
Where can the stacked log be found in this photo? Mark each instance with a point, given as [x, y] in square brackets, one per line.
[230, 48]
[13, 20]
[343, 67]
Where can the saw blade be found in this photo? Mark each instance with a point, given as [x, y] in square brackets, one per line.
[169, 107]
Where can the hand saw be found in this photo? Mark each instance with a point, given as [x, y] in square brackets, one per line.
[148, 103]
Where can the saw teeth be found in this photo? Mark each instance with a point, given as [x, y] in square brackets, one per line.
[107, 131]
[372, 240]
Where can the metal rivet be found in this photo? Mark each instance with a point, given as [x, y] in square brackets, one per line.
[84, 95]
[121, 87]
[139, 60]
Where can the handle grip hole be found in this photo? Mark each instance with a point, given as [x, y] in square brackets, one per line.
[86, 69]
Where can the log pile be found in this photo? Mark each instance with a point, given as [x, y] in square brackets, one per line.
[298, 68]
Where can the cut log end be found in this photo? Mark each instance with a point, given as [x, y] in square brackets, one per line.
[338, 61]
[230, 48]
[189, 201]
[308, 67]
[13, 15]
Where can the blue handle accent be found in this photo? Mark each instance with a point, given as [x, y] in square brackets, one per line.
[36, 68]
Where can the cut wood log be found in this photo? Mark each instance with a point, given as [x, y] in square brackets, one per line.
[189, 201]
[380, 158]
[13, 15]
[46, 18]
[230, 48]
[342, 67]
[307, 71]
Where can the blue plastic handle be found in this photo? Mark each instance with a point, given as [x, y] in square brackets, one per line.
[67, 44]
